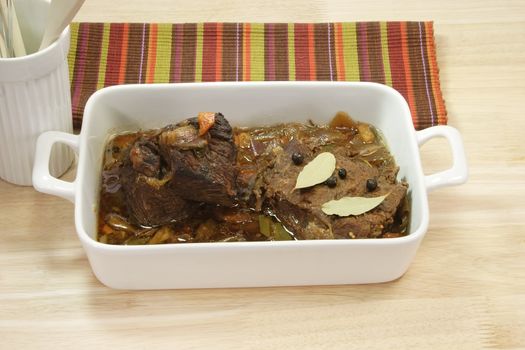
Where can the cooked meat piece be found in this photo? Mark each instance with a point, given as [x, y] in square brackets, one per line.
[167, 173]
[203, 167]
[300, 210]
[221, 129]
[293, 207]
[373, 223]
[151, 201]
[145, 158]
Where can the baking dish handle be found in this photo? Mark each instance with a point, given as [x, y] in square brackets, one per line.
[43, 181]
[458, 173]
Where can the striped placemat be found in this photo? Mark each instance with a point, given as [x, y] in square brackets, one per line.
[398, 54]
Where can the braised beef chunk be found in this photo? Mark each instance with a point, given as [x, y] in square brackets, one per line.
[145, 158]
[206, 171]
[373, 223]
[293, 207]
[300, 210]
[221, 129]
[168, 173]
[152, 202]
[199, 180]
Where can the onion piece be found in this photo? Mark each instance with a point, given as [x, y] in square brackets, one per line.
[206, 121]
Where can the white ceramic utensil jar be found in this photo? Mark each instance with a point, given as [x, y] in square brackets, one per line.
[34, 97]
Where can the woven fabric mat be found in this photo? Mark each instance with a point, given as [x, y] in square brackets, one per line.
[398, 54]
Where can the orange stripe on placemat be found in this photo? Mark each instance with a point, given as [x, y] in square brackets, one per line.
[311, 51]
[152, 53]
[339, 56]
[246, 61]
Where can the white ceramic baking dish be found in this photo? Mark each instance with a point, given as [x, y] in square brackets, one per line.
[246, 264]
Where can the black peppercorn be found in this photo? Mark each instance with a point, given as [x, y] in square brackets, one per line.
[371, 184]
[297, 158]
[331, 182]
[342, 173]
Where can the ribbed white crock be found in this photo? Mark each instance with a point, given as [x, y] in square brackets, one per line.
[34, 97]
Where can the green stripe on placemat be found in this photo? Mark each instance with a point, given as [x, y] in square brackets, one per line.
[399, 54]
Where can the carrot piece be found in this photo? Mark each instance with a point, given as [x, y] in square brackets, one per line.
[206, 121]
[106, 229]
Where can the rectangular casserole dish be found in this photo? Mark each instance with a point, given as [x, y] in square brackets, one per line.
[246, 264]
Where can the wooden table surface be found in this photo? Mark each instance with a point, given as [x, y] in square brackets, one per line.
[465, 289]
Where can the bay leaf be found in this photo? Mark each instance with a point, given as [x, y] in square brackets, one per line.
[347, 206]
[316, 171]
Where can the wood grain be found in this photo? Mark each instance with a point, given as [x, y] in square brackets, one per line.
[464, 290]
